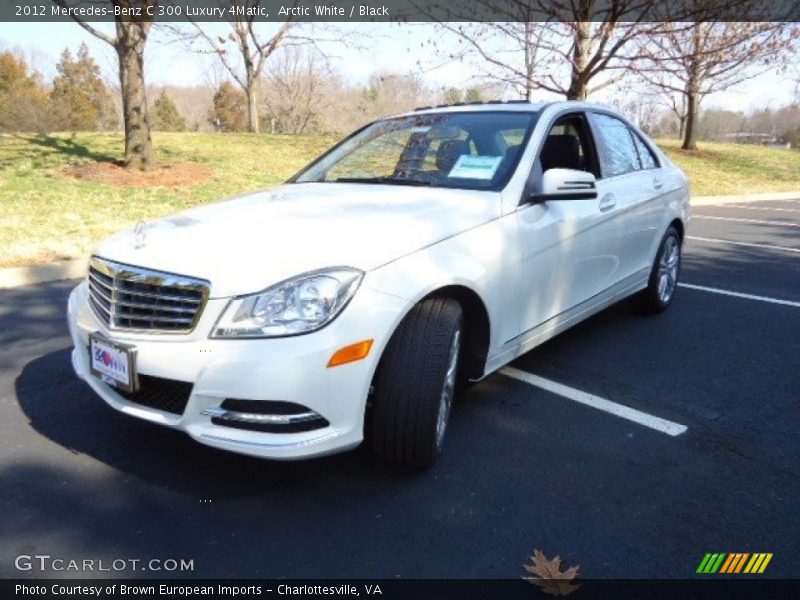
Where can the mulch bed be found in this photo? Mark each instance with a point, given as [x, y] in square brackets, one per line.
[163, 175]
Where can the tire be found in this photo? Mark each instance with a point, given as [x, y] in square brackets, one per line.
[661, 286]
[415, 383]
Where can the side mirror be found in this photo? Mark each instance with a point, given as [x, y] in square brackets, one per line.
[566, 184]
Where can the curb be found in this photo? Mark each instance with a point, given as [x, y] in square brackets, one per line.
[76, 268]
[12, 277]
[711, 200]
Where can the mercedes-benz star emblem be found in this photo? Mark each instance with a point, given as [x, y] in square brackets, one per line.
[139, 235]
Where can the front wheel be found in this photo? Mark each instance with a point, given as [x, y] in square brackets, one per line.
[658, 294]
[415, 384]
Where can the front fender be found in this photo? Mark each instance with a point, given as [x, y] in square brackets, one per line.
[485, 260]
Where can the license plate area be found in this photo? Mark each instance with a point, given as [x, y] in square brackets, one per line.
[113, 363]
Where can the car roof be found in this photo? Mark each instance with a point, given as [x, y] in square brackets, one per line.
[504, 106]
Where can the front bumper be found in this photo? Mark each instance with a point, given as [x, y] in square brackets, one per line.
[291, 369]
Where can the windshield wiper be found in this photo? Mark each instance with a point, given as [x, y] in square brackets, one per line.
[386, 180]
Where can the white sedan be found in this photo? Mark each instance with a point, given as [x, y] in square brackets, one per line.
[425, 250]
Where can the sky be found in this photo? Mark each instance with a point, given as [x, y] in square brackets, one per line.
[377, 47]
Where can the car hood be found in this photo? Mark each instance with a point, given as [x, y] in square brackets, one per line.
[247, 243]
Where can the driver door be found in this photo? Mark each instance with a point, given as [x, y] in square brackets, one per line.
[571, 248]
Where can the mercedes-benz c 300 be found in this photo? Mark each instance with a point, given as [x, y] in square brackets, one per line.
[425, 250]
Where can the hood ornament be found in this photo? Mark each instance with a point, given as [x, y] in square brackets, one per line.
[140, 235]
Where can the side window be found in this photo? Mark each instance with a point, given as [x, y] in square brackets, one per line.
[620, 154]
[568, 145]
[646, 156]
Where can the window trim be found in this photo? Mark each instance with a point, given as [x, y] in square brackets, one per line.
[636, 136]
[592, 149]
[535, 173]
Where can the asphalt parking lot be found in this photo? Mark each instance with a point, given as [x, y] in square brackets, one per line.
[524, 467]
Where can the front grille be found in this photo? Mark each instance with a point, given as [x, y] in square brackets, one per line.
[168, 395]
[132, 298]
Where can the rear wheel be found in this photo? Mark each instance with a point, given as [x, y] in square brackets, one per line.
[657, 296]
[415, 384]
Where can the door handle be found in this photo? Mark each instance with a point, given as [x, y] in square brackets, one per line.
[608, 202]
[657, 183]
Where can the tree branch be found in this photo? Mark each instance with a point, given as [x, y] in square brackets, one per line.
[95, 32]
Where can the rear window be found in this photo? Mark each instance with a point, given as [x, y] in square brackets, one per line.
[646, 156]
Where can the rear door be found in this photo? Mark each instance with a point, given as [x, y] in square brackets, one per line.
[647, 209]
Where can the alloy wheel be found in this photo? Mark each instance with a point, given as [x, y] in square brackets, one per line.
[448, 389]
[668, 264]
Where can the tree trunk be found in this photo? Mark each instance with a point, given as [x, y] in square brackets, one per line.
[690, 134]
[131, 39]
[577, 90]
[530, 53]
[580, 61]
[693, 93]
[252, 98]
[681, 126]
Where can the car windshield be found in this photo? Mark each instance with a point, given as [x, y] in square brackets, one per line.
[470, 150]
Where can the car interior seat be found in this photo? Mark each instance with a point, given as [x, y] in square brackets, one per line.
[561, 152]
[448, 153]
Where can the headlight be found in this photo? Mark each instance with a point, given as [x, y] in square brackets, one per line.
[299, 305]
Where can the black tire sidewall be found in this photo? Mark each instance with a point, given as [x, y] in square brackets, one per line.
[409, 382]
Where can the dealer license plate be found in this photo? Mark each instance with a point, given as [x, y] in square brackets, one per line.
[113, 363]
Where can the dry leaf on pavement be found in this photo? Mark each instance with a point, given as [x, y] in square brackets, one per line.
[547, 574]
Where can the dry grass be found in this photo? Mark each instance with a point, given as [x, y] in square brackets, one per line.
[731, 169]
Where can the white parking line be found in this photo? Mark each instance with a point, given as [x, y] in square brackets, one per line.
[772, 208]
[739, 220]
[619, 410]
[712, 290]
[750, 244]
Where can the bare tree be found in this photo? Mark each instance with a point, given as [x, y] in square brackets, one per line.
[129, 44]
[706, 57]
[506, 52]
[247, 48]
[393, 92]
[796, 78]
[568, 47]
[297, 88]
[639, 106]
[676, 103]
[252, 49]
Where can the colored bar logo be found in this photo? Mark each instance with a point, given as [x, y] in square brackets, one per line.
[735, 562]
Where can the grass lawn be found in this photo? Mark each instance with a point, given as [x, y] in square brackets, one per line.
[47, 214]
[722, 169]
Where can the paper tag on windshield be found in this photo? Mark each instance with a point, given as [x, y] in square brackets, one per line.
[475, 167]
